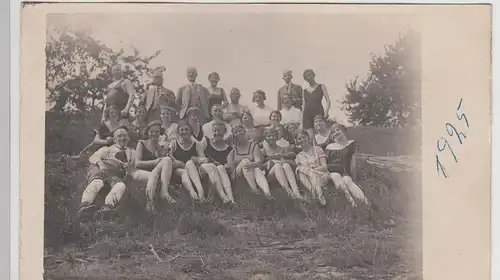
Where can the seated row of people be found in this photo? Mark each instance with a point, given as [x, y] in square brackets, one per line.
[189, 152]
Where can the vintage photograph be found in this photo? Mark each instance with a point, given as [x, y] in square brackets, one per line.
[193, 143]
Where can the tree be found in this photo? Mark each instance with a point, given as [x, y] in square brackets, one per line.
[390, 95]
[78, 70]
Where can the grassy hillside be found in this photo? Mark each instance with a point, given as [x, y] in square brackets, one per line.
[255, 239]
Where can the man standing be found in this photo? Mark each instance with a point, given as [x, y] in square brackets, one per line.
[157, 95]
[193, 95]
[290, 88]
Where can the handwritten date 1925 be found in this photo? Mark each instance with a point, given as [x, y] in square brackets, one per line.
[444, 144]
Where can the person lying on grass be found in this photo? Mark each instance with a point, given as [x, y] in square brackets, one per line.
[114, 165]
[217, 151]
[277, 163]
[149, 158]
[245, 160]
[341, 158]
[189, 162]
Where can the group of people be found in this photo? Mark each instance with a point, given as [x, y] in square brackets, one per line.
[203, 140]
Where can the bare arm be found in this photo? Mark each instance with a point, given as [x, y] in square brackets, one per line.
[279, 100]
[104, 110]
[143, 164]
[353, 168]
[178, 98]
[131, 93]
[224, 96]
[327, 98]
[322, 165]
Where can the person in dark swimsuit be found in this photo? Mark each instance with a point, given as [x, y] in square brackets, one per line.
[341, 163]
[187, 155]
[217, 151]
[216, 95]
[313, 97]
[148, 159]
[277, 166]
[323, 135]
[121, 92]
[245, 161]
[193, 119]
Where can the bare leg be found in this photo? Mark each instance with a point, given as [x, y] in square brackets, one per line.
[289, 174]
[226, 183]
[213, 176]
[165, 176]
[186, 182]
[304, 179]
[340, 184]
[261, 180]
[278, 173]
[195, 177]
[355, 190]
[248, 175]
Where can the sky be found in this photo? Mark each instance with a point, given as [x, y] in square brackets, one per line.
[250, 50]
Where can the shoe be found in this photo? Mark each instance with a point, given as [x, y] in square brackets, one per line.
[86, 211]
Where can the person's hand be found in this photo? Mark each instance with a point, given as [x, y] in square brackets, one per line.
[203, 160]
[102, 166]
[109, 140]
[124, 113]
[158, 160]
[251, 165]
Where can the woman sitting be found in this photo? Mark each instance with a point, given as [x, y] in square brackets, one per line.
[290, 113]
[168, 129]
[217, 151]
[244, 161]
[149, 159]
[311, 166]
[282, 136]
[323, 135]
[341, 159]
[275, 118]
[186, 154]
[138, 125]
[193, 115]
[260, 111]
[277, 163]
[216, 117]
[253, 133]
[104, 134]
[233, 110]
[292, 130]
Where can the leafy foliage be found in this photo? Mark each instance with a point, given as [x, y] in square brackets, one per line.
[78, 70]
[390, 96]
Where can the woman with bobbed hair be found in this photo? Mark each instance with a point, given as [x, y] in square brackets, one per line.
[260, 111]
[245, 161]
[313, 98]
[149, 158]
[216, 95]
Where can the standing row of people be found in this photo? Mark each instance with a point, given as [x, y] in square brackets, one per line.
[205, 143]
